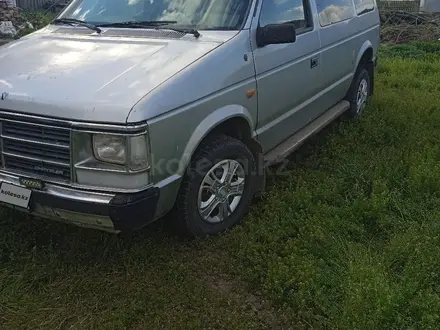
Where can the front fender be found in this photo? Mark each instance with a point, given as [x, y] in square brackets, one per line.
[365, 46]
[208, 124]
[174, 139]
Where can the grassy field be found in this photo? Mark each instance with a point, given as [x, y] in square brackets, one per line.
[346, 237]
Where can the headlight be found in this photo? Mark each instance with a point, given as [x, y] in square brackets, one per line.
[131, 151]
[114, 161]
[110, 148]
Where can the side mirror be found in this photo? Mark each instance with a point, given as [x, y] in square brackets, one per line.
[276, 34]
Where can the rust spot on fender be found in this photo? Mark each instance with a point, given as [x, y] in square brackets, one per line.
[250, 93]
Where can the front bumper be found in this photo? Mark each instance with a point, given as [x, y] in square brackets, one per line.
[104, 211]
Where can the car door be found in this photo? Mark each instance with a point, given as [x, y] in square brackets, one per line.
[287, 74]
[338, 30]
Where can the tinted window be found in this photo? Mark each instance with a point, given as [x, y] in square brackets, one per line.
[208, 14]
[334, 11]
[363, 6]
[283, 11]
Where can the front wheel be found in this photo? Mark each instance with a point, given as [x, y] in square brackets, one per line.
[359, 93]
[217, 189]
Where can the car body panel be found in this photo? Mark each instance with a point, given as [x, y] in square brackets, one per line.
[284, 73]
[91, 78]
[234, 78]
[343, 45]
[210, 76]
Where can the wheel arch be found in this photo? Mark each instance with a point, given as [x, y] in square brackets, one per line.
[365, 59]
[234, 121]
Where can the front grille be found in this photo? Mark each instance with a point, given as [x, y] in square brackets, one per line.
[35, 149]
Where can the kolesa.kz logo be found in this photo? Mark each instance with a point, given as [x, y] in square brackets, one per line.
[11, 194]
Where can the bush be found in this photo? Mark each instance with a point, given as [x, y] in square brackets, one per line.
[38, 19]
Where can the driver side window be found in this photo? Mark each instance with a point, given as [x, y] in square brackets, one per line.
[286, 11]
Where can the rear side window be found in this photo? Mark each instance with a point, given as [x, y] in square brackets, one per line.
[286, 11]
[363, 6]
[334, 11]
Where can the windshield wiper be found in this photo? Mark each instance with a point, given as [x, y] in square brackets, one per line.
[194, 32]
[137, 24]
[152, 24]
[73, 21]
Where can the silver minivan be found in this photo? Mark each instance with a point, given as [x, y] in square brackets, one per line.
[119, 112]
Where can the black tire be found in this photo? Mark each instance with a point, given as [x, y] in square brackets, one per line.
[218, 149]
[352, 96]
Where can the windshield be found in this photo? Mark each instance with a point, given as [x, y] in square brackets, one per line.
[200, 14]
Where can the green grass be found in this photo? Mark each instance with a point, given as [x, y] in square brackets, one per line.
[346, 237]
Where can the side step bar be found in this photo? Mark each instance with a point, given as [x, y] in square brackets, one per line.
[280, 152]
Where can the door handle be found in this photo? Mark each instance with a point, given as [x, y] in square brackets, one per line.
[314, 62]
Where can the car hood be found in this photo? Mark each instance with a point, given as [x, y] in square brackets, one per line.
[91, 78]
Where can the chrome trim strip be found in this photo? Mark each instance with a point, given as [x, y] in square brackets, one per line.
[61, 146]
[75, 124]
[72, 165]
[1, 147]
[36, 159]
[110, 170]
[128, 134]
[108, 189]
[67, 184]
[108, 127]
[58, 191]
